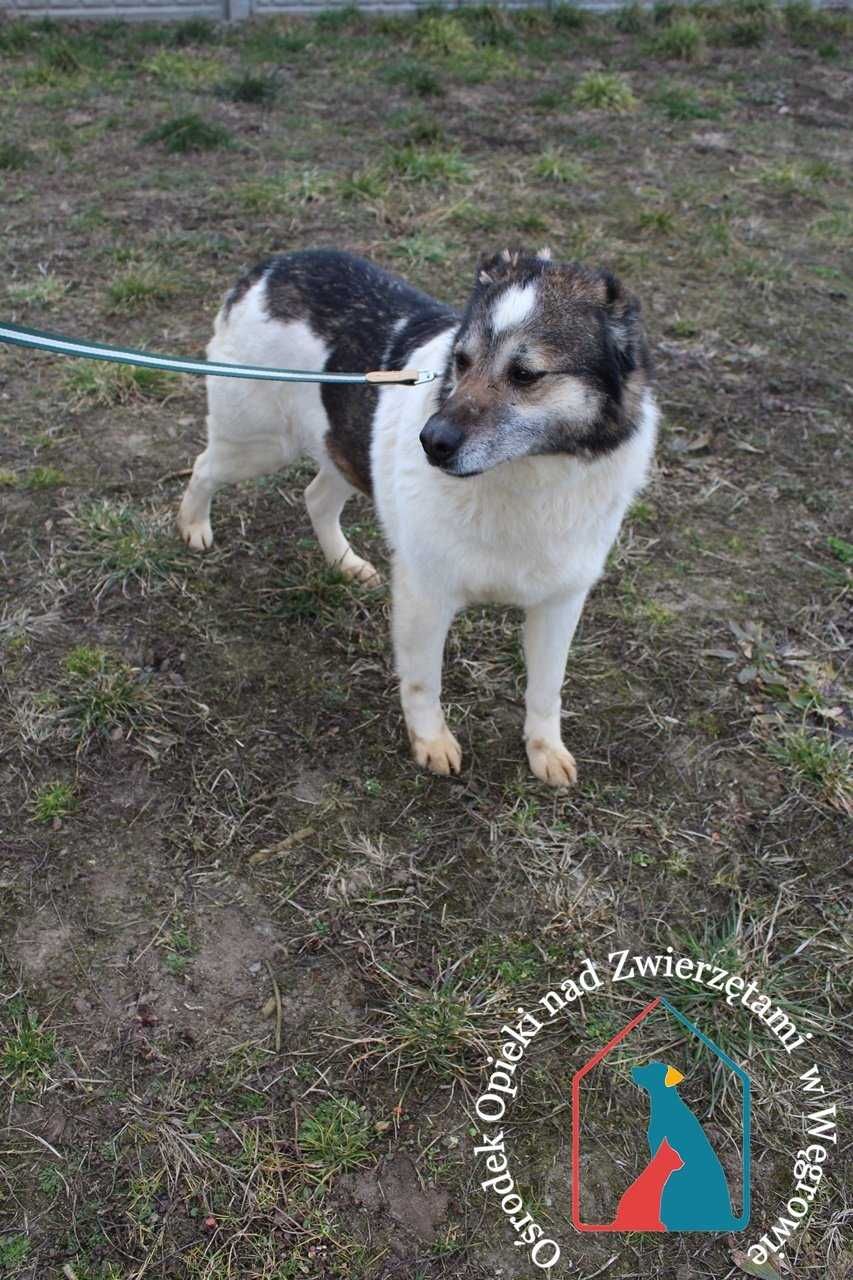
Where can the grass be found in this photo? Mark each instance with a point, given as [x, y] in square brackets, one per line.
[13, 1253]
[420, 250]
[44, 477]
[183, 70]
[568, 17]
[120, 548]
[438, 1031]
[554, 166]
[683, 40]
[821, 762]
[188, 133]
[413, 163]
[604, 91]
[99, 695]
[280, 1035]
[42, 292]
[13, 155]
[27, 1053]
[418, 77]
[443, 36]
[250, 88]
[140, 288]
[54, 801]
[334, 1139]
[101, 382]
[680, 102]
[283, 192]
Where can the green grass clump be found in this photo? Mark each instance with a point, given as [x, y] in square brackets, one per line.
[432, 1030]
[417, 77]
[801, 18]
[841, 549]
[427, 164]
[682, 39]
[443, 36]
[419, 250]
[44, 478]
[14, 156]
[364, 185]
[99, 694]
[680, 102]
[17, 36]
[53, 801]
[100, 383]
[631, 19]
[194, 31]
[656, 221]
[183, 70]
[276, 195]
[334, 1139]
[26, 1054]
[14, 1251]
[138, 288]
[189, 133]
[250, 88]
[823, 763]
[793, 178]
[604, 91]
[120, 548]
[42, 292]
[332, 20]
[568, 17]
[553, 166]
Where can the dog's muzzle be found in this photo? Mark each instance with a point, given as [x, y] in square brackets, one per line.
[441, 440]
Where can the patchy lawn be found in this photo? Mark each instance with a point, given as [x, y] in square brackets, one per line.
[251, 962]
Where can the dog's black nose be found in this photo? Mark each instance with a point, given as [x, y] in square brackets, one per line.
[440, 440]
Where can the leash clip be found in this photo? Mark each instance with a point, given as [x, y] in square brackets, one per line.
[401, 377]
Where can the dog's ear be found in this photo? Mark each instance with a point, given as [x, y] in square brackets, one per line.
[623, 327]
[494, 267]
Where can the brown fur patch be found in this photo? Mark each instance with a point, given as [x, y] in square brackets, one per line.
[350, 464]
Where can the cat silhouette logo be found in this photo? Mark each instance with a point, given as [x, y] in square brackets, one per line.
[691, 1168]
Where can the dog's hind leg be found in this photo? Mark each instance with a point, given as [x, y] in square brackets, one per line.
[548, 632]
[247, 436]
[325, 498]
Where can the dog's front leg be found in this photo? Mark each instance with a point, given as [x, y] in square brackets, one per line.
[548, 631]
[421, 619]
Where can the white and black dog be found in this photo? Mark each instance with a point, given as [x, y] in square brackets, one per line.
[505, 480]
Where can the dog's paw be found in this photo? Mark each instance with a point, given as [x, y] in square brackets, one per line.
[552, 763]
[354, 569]
[195, 533]
[442, 754]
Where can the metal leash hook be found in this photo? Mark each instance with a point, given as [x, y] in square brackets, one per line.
[19, 336]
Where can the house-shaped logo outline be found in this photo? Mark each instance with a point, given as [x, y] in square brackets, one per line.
[746, 1111]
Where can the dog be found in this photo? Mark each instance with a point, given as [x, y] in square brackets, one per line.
[505, 480]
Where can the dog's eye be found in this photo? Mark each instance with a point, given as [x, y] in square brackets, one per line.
[463, 361]
[521, 376]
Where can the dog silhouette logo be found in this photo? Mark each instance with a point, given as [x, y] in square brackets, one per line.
[681, 1184]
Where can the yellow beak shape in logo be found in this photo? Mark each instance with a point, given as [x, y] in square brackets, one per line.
[673, 1076]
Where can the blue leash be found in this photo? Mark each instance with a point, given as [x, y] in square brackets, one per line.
[19, 336]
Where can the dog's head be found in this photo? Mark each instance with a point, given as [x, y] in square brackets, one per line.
[549, 358]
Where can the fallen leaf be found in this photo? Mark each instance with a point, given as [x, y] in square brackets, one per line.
[764, 1270]
[276, 850]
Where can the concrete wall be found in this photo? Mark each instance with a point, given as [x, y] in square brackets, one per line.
[234, 10]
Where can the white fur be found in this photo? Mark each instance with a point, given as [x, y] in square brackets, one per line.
[534, 532]
[513, 307]
[255, 428]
